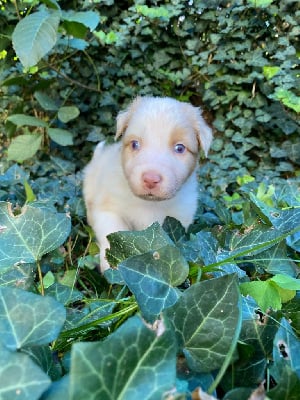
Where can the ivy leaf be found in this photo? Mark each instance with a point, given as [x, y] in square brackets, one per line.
[275, 260]
[24, 147]
[131, 361]
[35, 35]
[286, 366]
[289, 99]
[28, 382]
[288, 386]
[64, 294]
[255, 346]
[131, 243]
[152, 277]
[20, 275]
[153, 12]
[25, 238]
[207, 321]
[28, 319]
[286, 350]
[13, 176]
[59, 389]
[201, 246]
[174, 229]
[260, 3]
[43, 356]
[270, 71]
[283, 220]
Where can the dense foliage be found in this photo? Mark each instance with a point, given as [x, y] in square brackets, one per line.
[216, 307]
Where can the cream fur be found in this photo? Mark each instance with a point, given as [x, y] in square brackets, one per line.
[129, 188]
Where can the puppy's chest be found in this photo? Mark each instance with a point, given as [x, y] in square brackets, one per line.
[141, 214]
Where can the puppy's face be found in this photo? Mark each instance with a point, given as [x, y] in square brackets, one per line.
[160, 146]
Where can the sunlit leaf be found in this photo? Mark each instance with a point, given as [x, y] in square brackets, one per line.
[26, 237]
[35, 35]
[23, 147]
[66, 114]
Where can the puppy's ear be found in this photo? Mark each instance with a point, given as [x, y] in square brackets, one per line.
[203, 131]
[123, 117]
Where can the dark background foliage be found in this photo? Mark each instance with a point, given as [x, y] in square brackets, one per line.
[219, 55]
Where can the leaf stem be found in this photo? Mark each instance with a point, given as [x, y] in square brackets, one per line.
[70, 332]
[253, 249]
[42, 288]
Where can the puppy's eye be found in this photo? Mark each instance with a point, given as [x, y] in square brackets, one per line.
[135, 145]
[179, 148]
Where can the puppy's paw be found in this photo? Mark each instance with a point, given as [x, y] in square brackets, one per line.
[104, 265]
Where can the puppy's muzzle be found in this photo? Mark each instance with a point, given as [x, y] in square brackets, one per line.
[151, 180]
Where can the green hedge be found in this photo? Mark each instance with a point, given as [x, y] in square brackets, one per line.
[237, 59]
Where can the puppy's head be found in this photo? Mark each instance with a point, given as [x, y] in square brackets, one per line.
[161, 142]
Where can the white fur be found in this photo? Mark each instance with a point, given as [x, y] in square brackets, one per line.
[129, 189]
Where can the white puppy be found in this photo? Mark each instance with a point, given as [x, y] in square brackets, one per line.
[150, 174]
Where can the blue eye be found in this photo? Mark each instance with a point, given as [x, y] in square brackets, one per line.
[135, 145]
[179, 148]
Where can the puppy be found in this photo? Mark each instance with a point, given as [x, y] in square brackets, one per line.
[150, 174]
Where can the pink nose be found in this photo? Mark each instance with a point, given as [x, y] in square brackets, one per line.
[151, 179]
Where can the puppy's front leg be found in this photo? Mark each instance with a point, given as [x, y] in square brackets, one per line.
[104, 223]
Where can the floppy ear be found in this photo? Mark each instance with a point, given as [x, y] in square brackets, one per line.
[203, 131]
[123, 117]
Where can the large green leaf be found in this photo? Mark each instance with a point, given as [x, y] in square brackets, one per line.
[23, 119]
[20, 377]
[25, 238]
[131, 243]
[35, 35]
[27, 319]
[24, 147]
[152, 276]
[134, 362]
[207, 320]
